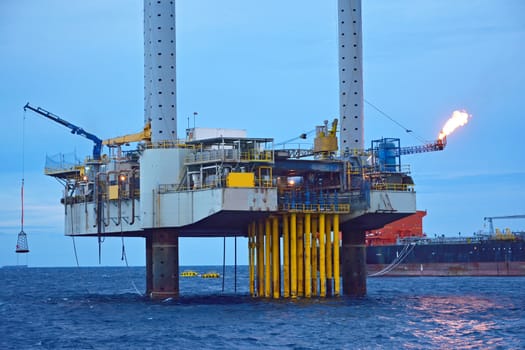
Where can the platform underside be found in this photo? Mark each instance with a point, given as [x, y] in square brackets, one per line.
[371, 221]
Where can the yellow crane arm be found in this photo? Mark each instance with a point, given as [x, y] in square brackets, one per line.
[333, 131]
[144, 135]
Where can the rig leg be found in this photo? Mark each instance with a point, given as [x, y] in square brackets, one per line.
[164, 264]
[354, 263]
[149, 264]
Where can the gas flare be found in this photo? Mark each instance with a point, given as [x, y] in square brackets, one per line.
[458, 118]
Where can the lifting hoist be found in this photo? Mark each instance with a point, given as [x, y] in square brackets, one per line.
[144, 135]
[97, 147]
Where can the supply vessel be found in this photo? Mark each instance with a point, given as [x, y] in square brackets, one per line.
[401, 248]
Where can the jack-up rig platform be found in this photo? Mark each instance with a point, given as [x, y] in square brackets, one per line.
[305, 212]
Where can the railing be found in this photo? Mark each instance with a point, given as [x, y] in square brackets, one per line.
[228, 155]
[315, 208]
[61, 162]
[376, 170]
[257, 156]
[393, 187]
[167, 144]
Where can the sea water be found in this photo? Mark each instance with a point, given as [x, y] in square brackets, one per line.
[103, 308]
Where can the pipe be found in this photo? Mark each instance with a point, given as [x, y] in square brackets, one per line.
[85, 209]
[251, 247]
[267, 258]
[235, 264]
[300, 256]
[260, 258]
[119, 199]
[286, 257]
[322, 260]
[223, 261]
[275, 258]
[108, 216]
[132, 196]
[328, 245]
[307, 260]
[315, 236]
[293, 255]
[337, 276]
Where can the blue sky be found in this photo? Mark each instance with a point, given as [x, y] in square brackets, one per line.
[270, 68]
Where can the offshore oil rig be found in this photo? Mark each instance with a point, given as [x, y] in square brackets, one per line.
[305, 212]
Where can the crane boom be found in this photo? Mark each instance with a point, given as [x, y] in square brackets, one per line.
[144, 135]
[438, 145]
[491, 218]
[97, 147]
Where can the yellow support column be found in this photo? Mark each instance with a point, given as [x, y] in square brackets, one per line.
[337, 277]
[300, 256]
[275, 258]
[286, 257]
[251, 251]
[329, 275]
[322, 259]
[293, 255]
[307, 261]
[260, 258]
[315, 236]
[268, 260]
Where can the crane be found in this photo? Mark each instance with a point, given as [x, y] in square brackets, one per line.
[144, 135]
[491, 218]
[97, 147]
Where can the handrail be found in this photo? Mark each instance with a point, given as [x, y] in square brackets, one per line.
[315, 208]
[393, 187]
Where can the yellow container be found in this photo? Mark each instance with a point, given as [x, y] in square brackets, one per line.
[240, 180]
[113, 192]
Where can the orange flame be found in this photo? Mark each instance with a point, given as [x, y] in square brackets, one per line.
[458, 118]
